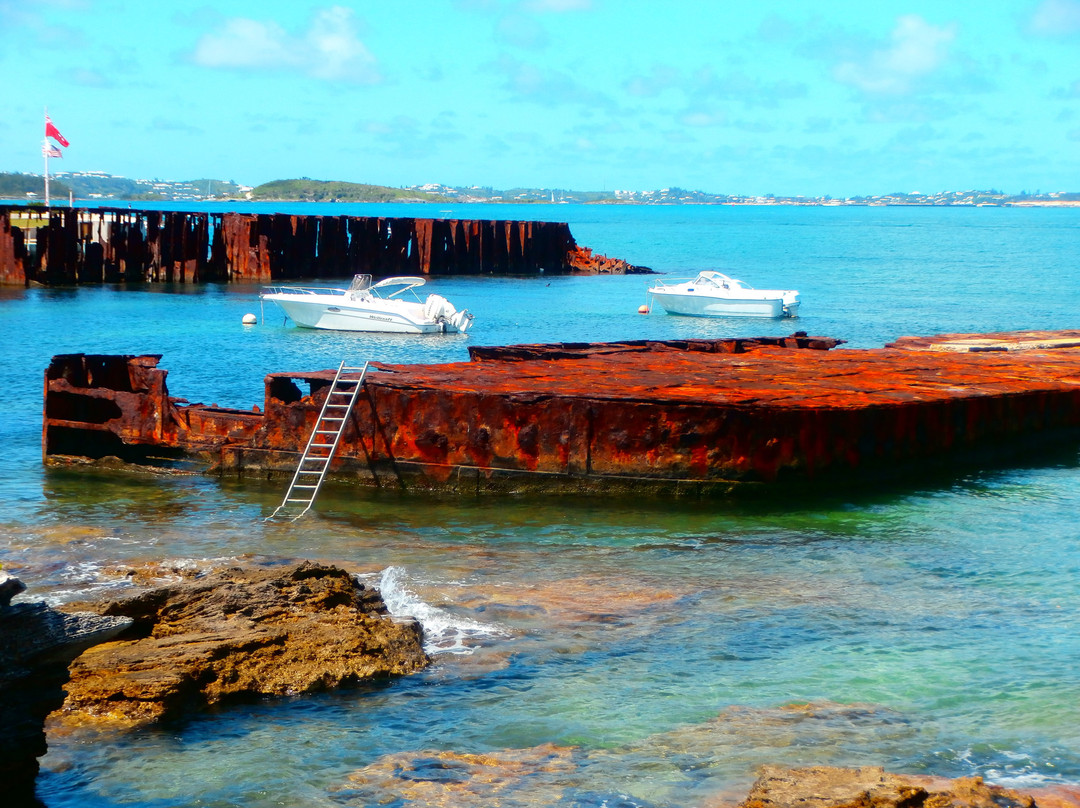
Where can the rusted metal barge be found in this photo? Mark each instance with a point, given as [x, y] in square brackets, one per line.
[699, 417]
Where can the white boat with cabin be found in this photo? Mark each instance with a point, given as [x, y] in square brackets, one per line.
[367, 306]
[714, 294]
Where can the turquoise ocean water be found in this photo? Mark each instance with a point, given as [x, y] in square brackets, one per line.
[598, 652]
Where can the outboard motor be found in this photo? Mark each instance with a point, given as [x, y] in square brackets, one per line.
[438, 308]
[461, 321]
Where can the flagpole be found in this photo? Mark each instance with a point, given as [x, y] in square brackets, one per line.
[45, 151]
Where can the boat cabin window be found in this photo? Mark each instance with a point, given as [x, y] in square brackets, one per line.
[360, 283]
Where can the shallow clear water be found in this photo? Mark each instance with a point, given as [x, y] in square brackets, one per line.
[601, 652]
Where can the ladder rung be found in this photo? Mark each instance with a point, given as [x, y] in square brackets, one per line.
[341, 388]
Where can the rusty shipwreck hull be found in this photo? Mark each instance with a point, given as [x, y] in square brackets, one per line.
[699, 416]
[96, 245]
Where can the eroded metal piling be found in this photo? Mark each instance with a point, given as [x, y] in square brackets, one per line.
[67, 246]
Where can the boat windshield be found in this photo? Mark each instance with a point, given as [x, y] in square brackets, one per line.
[360, 283]
[720, 280]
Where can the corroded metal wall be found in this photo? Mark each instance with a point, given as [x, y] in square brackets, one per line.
[76, 246]
[701, 417]
[12, 253]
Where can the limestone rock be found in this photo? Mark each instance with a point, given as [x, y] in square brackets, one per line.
[240, 633]
[872, 787]
[36, 644]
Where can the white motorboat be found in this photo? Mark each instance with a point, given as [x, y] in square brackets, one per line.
[367, 306]
[714, 294]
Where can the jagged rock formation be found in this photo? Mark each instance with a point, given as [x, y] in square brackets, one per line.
[240, 633]
[36, 644]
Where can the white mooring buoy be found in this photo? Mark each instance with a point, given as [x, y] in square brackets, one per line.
[250, 319]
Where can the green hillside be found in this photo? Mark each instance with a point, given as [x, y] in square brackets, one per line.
[18, 186]
[308, 190]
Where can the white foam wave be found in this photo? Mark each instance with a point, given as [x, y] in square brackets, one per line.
[444, 633]
[1018, 771]
[84, 580]
[93, 580]
[1022, 780]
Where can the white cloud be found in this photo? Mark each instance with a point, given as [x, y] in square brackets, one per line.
[557, 6]
[703, 117]
[551, 88]
[329, 50]
[1070, 92]
[917, 50]
[659, 79]
[522, 31]
[1056, 18]
[740, 86]
[89, 78]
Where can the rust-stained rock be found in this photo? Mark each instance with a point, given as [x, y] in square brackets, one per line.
[694, 416]
[76, 245]
[872, 787]
[239, 632]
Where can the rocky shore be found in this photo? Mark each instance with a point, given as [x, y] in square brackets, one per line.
[36, 645]
[239, 633]
[265, 631]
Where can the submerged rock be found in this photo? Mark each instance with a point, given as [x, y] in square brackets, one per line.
[241, 632]
[543, 775]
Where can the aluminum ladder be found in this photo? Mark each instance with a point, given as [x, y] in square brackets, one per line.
[324, 439]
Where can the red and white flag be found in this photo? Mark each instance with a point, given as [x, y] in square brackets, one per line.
[54, 133]
[49, 150]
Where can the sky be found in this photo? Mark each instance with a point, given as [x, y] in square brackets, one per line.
[833, 98]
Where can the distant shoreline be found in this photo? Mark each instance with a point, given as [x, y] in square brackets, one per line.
[105, 189]
[146, 204]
